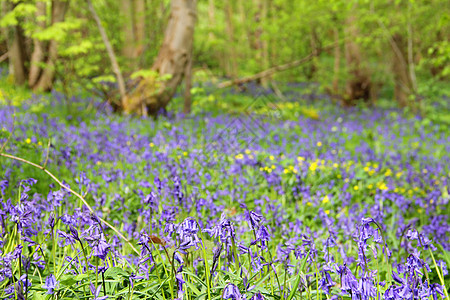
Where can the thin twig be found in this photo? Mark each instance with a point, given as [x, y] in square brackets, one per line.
[46, 157]
[73, 192]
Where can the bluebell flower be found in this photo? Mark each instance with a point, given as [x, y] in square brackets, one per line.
[231, 292]
[348, 280]
[3, 185]
[96, 292]
[180, 283]
[50, 284]
[257, 296]
[436, 289]
[262, 236]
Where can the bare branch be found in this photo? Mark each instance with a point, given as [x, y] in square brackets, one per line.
[110, 51]
[73, 192]
[276, 69]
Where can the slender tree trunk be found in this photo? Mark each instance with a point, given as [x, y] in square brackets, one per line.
[264, 41]
[232, 70]
[211, 18]
[14, 44]
[127, 18]
[38, 55]
[337, 62]
[17, 56]
[412, 72]
[111, 54]
[15, 41]
[358, 85]
[139, 30]
[403, 85]
[314, 44]
[188, 86]
[243, 33]
[152, 93]
[45, 83]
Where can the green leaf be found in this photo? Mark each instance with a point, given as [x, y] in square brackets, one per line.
[299, 276]
[114, 272]
[38, 296]
[104, 78]
[68, 280]
[144, 74]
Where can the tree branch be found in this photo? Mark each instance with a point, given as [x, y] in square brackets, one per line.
[73, 192]
[110, 51]
[273, 70]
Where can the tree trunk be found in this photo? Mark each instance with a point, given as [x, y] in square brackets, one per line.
[38, 55]
[188, 86]
[337, 62]
[127, 15]
[211, 18]
[232, 56]
[109, 49]
[139, 30]
[153, 94]
[45, 83]
[358, 85]
[314, 44]
[17, 56]
[15, 45]
[403, 84]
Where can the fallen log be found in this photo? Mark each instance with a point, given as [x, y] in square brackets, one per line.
[3, 57]
[273, 70]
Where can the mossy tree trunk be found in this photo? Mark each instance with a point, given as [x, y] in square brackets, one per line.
[152, 95]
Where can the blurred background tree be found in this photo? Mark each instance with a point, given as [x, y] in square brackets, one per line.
[358, 51]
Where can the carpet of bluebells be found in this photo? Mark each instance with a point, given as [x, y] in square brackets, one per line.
[282, 203]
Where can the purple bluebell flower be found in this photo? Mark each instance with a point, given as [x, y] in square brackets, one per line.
[50, 284]
[326, 282]
[253, 218]
[180, 283]
[257, 296]
[262, 236]
[96, 292]
[348, 280]
[3, 185]
[101, 248]
[231, 292]
[436, 289]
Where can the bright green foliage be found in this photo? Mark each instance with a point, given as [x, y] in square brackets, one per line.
[265, 34]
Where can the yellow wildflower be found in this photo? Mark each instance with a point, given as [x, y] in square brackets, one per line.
[313, 166]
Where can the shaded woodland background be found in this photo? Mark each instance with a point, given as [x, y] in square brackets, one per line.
[135, 54]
